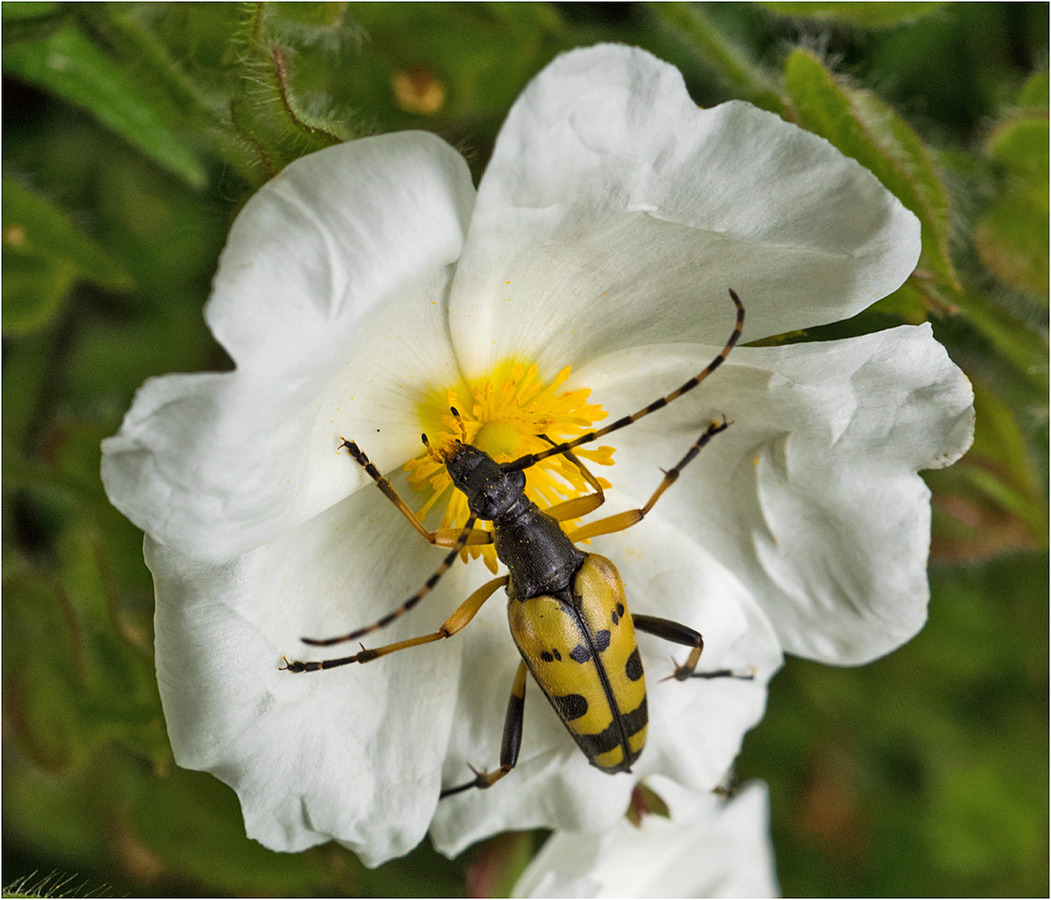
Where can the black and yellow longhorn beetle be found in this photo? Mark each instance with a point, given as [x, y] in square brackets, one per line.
[567, 609]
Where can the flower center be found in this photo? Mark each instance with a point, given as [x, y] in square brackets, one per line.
[505, 415]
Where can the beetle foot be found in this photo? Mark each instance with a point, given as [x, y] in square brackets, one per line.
[481, 781]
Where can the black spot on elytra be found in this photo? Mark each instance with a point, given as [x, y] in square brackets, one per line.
[546, 657]
[601, 640]
[571, 706]
[633, 667]
[580, 653]
[558, 655]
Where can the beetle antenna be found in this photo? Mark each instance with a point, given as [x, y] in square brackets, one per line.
[459, 422]
[430, 450]
[531, 459]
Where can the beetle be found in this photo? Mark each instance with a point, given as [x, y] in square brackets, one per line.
[567, 608]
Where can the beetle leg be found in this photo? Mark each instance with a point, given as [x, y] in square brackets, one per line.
[578, 506]
[682, 634]
[676, 633]
[441, 537]
[575, 508]
[512, 741]
[456, 622]
[624, 520]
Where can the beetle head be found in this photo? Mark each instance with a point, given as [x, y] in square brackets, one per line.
[490, 490]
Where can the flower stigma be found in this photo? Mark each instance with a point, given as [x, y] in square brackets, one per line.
[505, 415]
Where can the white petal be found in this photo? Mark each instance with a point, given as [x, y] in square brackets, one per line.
[329, 298]
[615, 212]
[696, 727]
[353, 753]
[334, 235]
[707, 848]
[811, 497]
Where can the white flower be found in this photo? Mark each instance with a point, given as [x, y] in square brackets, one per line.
[367, 282]
[706, 847]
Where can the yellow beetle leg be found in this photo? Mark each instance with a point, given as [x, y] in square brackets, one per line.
[446, 537]
[681, 634]
[456, 622]
[608, 525]
[624, 520]
[575, 508]
[512, 741]
[578, 506]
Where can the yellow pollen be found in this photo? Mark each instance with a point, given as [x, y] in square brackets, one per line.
[504, 415]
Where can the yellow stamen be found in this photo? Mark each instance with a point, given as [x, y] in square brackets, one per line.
[504, 415]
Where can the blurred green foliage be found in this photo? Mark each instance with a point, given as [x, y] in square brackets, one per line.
[132, 135]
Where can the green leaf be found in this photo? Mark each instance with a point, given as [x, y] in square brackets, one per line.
[698, 31]
[1020, 143]
[1012, 236]
[32, 21]
[193, 823]
[991, 500]
[24, 12]
[1035, 92]
[53, 818]
[70, 66]
[867, 129]
[42, 686]
[859, 15]
[120, 689]
[34, 288]
[34, 225]
[1012, 239]
[912, 302]
[44, 252]
[27, 369]
[1022, 344]
[78, 671]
